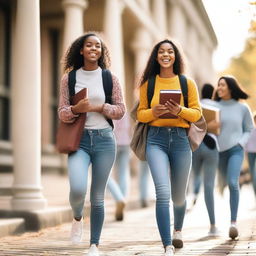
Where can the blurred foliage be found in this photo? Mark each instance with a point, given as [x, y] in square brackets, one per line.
[243, 67]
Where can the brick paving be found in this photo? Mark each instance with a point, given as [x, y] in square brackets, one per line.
[137, 235]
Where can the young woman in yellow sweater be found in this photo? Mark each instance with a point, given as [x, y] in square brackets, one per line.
[168, 150]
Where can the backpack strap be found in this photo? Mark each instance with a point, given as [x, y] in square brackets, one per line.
[107, 85]
[183, 85]
[71, 82]
[151, 89]
[184, 89]
[108, 88]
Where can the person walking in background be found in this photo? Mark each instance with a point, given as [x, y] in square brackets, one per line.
[205, 159]
[250, 148]
[168, 151]
[119, 189]
[88, 55]
[143, 183]
[235, 127]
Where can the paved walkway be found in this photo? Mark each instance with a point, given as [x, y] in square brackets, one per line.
[137, 235]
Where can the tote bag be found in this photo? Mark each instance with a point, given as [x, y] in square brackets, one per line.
[69, 134]
[196, 133]
[139, 137]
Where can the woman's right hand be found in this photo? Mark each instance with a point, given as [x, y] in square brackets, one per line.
[159, 110]
[81, 107]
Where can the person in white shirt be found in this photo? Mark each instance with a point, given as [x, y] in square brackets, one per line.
[88, 55]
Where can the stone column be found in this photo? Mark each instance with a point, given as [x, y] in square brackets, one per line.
[26, 109]
[177, 24]
[142, 46]
[73, 23]
[114, 37]
[144, 4]
[159, 15]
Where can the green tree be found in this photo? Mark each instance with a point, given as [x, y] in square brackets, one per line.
[243, 67]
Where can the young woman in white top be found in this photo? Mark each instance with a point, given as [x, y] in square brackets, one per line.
[89, 56]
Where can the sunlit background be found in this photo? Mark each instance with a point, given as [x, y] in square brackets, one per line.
[234, 23]
[217, 37]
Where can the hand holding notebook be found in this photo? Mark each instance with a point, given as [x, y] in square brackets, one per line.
[166, 95]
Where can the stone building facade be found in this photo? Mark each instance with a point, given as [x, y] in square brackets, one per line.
[33, 37]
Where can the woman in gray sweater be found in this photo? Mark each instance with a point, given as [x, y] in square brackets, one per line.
[235, 126]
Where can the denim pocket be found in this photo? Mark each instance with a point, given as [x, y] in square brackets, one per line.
[182, 132]
[153, 131]
[106, 134]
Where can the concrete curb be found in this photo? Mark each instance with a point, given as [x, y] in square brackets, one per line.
[36, 220]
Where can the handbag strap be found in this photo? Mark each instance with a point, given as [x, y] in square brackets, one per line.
[184, 89]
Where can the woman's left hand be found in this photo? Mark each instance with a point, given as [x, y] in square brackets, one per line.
[173, 107]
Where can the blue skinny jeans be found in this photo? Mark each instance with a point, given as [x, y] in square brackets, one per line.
[119, 188]
[97, 147]
[252, 168]
[230, 167]
[143, 180]
[169, 157]
[206, 160]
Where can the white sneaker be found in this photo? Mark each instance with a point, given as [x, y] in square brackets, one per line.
[169, 250]
[76, 231]
[213, 232]
[233, 231]
[93, 251]
[177, 239]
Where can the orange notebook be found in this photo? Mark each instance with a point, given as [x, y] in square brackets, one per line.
[166, 95]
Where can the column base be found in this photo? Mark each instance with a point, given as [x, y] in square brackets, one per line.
[28, 204]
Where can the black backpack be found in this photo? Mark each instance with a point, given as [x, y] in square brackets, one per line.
[107, 86]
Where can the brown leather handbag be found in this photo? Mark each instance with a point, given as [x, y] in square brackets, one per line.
[69, 134]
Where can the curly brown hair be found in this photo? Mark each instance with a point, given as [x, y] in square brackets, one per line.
[74, 60]
[153, 67]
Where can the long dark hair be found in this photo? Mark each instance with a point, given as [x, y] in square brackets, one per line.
[153, 67]
[234, 87]
[74, 60]
[207, 91]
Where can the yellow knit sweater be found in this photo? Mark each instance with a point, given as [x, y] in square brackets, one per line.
[191, 114]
